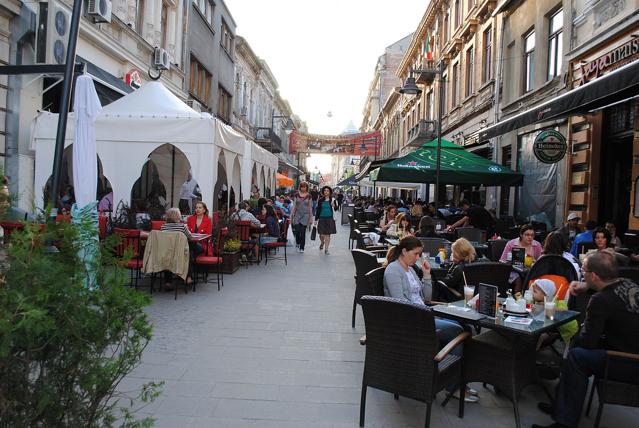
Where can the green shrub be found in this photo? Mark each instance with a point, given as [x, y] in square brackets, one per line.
[64, 347]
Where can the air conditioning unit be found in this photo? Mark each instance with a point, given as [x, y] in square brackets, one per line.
[99, 10]
[52, 38]
[195, 105]
[161, 59]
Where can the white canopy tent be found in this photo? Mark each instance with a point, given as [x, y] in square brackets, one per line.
[243, 153]
[128, 131]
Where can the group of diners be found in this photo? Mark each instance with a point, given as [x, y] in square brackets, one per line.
[611, 320]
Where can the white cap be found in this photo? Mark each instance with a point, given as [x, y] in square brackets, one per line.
[547, 286]
[573, 216]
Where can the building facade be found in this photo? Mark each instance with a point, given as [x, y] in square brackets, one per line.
[118, 55]
[603, 172]
[210, 62]
[8, 11]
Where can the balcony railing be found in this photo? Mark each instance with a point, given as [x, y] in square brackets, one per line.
[268, 139]
[423, 132]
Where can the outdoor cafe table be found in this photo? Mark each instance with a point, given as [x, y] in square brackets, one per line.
[522, 339]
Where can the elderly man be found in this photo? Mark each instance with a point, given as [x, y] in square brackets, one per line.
[243, 215]
[611, 323]
[571, 229]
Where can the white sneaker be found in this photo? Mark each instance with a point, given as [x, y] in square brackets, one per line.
[301, 250]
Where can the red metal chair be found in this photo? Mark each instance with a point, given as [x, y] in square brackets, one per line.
[212, 257]
[9, 227]
[248, 243]
[282, 242]
[130, 241]
[157, 224]
[103, 221]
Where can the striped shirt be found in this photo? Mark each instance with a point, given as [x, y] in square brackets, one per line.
[176, 227]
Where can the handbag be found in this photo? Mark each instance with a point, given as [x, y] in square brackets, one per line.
[313, 233]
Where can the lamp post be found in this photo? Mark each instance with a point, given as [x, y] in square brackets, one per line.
[410, 88]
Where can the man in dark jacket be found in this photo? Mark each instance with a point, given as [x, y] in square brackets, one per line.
[571, 229]
[611, 323]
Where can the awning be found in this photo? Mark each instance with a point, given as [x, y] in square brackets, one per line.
[371, 165]
[348, 181]
[613, 87]
[284, 181]
[457, 167]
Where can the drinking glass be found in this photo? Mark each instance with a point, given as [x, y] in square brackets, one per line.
[469, 291]
[549, 307]
[528, 261]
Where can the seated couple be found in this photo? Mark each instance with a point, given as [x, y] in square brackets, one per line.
[200, 222]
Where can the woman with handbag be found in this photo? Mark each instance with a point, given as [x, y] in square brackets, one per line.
[301, 214]
[324, 218]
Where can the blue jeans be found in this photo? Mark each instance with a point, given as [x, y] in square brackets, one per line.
[573, 384]
[267, 239]
[447, 331]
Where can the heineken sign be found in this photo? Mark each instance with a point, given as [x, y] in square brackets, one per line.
[550, 146]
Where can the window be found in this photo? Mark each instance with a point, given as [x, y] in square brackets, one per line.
[470, 71]
[223, 104]
[227, 38]
[555, 44]
[164, 25]
[445, 30]
[457, 14]
[487, 66]
[529, 61]
[139, 16]
[206, 8]
[455, 88]
[429, 105]
[199, 82]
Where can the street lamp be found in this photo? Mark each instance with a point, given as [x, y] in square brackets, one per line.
[410, 88]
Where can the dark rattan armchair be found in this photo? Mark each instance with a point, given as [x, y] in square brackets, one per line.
[493, 273]
[403, 356]
[365, 262]
[614, 391]
[361, 244]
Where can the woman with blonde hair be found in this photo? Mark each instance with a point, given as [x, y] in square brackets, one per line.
[174, 224]
[463, 254]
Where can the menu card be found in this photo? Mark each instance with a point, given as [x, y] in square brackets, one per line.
[487, 300]
[519, 256]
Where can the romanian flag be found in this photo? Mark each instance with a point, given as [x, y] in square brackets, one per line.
[428, 48]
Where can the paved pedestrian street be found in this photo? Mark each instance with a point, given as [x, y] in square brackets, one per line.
[275, 348]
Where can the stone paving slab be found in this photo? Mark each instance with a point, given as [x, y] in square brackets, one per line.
[275, 348]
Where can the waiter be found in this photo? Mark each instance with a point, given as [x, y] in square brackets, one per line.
[187, 193]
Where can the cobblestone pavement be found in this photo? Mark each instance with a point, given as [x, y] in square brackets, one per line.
[275, 348]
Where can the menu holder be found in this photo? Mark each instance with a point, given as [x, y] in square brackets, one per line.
[487, 299]
[518, 256]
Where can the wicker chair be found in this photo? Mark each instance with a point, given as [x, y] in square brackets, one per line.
[472, 234]
[614, 391]
[629, 272]
[402, 353]
[493, 273]
[361, 244]
[551, 264]
[496, 248]
[432, 245]
[507, 365]
[365, 262]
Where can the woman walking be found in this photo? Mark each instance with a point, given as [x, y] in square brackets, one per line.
[324, 218]
[301, 214]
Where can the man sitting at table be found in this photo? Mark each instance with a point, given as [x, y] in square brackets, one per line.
[611, 323]
[243, 215]
[582, 238]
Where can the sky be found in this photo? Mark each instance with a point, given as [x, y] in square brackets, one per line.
[323, 53]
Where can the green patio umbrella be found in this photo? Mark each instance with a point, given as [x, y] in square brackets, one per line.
[457, 167]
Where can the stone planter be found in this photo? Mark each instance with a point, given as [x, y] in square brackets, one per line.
[231, 262]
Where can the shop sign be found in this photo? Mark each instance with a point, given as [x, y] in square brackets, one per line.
[550, 146]
[133, 79]
[610, 60]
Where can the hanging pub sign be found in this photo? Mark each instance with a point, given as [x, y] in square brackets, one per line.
[133, 79]
[550, 146]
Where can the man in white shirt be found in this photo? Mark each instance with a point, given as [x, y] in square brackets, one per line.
[244, 215]
[187, 194]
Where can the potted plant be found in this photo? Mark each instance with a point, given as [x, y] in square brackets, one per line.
[231, 255]
[71, 331]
